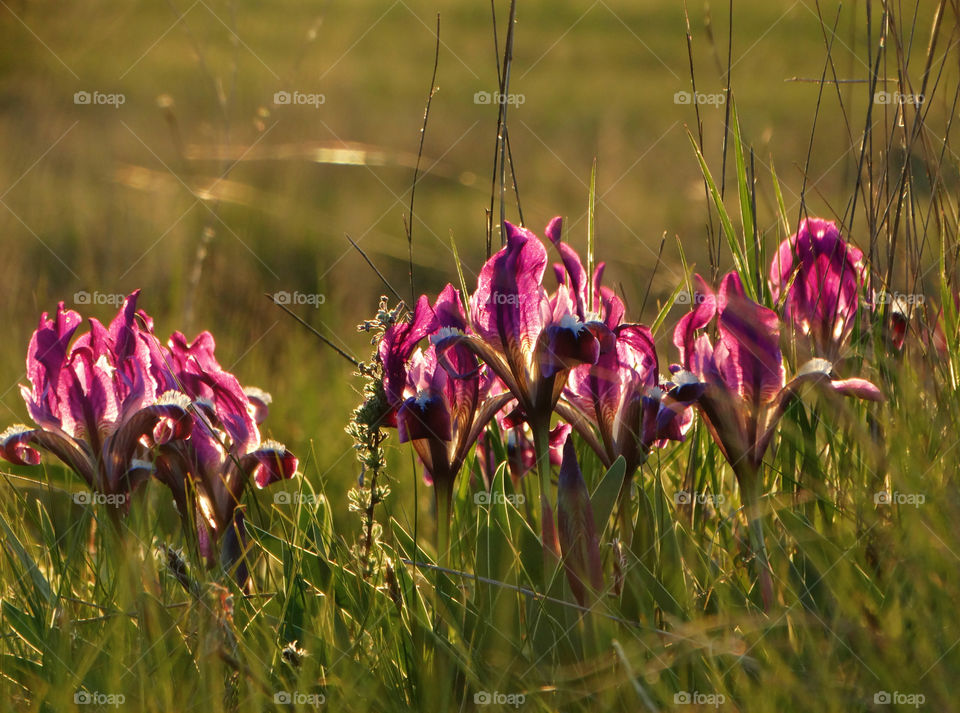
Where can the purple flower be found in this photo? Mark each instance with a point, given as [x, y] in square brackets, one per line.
[739, 384]
[223, 453]
[622, 399]
[819, 275]
[117, 406]
[439, 406]
[97, 407]
[528, 340]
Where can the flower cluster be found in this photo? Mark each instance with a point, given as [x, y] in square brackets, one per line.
[522, 353]
[119, 407]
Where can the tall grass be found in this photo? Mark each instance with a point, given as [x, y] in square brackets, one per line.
[354, 609]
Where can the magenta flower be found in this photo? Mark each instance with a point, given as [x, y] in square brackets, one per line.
[223, 453]
[827, 274]
[117, 406]
[741, 382]
[439, 406]
[531, 341]
[528, 340]
[739, 386]
[622, 399]
[97, 407]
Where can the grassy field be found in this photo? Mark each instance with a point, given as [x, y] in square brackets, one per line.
[197, 187]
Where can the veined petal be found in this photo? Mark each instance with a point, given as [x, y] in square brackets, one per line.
[46, 356]
[685, 333]
[576, 274]
[398, 343]
[751, 363]
[508, 306]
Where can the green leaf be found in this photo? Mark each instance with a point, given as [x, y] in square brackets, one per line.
[604, 497]
[40, 584]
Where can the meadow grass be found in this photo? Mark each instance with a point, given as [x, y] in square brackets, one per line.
[865, 590]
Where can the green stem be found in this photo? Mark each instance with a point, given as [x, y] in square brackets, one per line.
[750, 487]
[551, 549]
[626, 513]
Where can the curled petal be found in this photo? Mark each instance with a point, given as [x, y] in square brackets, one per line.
[270, 463]
[260, 402]
[424, 416]
[861, 388]
[15, 446]
[567, 344]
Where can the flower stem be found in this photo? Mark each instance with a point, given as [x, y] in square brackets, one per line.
[750, 489]
[551, 546]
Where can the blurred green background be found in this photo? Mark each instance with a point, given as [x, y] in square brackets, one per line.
[205, 193]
